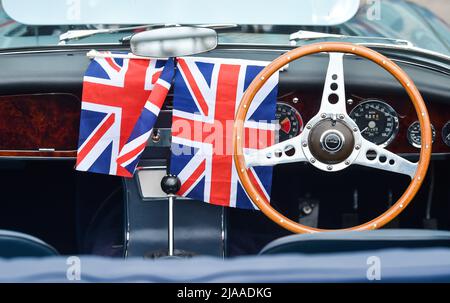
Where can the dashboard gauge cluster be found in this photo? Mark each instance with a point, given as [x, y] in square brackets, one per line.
[290, 122]
[377, 121]
[391, 125]
[414, 136]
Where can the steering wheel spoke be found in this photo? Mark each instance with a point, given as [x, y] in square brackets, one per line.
[374, 156]
[333, 96]
[288, 151]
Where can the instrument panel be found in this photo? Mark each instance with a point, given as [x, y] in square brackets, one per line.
[388, 121]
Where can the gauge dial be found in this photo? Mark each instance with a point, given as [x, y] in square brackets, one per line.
[377, 121]
[290, 122]
[446, 133]
[414, 136]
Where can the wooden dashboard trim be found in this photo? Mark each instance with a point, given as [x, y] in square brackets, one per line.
[39, 125]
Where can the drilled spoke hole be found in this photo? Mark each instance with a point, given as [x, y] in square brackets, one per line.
[383, 159]
[371, 154]
[333, 98]
[289, 150]
[334, 86]
[278, 153]
[392, 162]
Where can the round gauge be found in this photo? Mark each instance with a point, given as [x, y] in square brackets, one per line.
[414, 136]
[446, 133]
[290, 122]
[377, 121]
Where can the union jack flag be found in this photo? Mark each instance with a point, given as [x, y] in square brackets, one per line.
[121, 100]
[207, 92]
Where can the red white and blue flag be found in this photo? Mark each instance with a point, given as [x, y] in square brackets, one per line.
[207, 93]
[121, 100]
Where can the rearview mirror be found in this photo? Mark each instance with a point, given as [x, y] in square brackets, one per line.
[173, 42]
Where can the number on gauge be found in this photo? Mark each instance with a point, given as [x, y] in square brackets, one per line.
[414, 136]
[290, 122]
[377, 121]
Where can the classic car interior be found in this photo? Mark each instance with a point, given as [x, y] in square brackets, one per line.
[48, 208]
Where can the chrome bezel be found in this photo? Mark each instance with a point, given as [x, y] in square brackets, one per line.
[337, 134]
[410, 140]
[338, 166]
[442, 133]
[392, 111]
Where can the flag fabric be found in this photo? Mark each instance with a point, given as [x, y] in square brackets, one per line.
[207, 92]
[121, 100]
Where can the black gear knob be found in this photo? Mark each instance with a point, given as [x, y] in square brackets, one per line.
[170, 184]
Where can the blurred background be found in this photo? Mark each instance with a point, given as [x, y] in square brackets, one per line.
[439, 7]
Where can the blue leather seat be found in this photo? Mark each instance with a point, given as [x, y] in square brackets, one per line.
[337, 242]
[15, 244]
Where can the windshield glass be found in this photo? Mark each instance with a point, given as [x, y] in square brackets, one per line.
[423, 23]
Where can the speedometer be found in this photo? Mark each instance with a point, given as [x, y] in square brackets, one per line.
[377, 121]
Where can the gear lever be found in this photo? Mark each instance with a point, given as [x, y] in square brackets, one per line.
[170, 184]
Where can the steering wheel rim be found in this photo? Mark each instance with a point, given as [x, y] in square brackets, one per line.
[333, 47]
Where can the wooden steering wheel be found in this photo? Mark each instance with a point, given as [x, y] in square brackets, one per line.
[331, 140]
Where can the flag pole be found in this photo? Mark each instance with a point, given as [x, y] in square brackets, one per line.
[170, 184]
[171, 226]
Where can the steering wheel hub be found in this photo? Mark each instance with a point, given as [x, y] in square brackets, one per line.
[331, 142]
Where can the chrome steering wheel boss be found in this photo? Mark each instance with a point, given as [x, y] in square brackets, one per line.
[331, 142]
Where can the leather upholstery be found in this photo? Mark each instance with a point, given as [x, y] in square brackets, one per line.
[15, 244]
[336, 242]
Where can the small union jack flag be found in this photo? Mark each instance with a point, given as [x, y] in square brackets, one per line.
[206, 95]
[121, 100]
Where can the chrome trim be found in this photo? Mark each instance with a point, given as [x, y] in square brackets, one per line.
[341, 165]
[303, 35]
[393, 162]
[151, 167]
[46, 149]
[226, 46]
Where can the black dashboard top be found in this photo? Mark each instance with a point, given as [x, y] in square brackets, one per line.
[61, 70]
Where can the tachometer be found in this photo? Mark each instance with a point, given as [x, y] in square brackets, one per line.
[414, 136]
[377, 121]
[290, 122]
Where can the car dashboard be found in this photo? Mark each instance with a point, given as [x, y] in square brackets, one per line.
[39, 117]
[372, 94]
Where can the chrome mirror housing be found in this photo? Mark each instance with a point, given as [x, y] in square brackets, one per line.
[173, 41]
